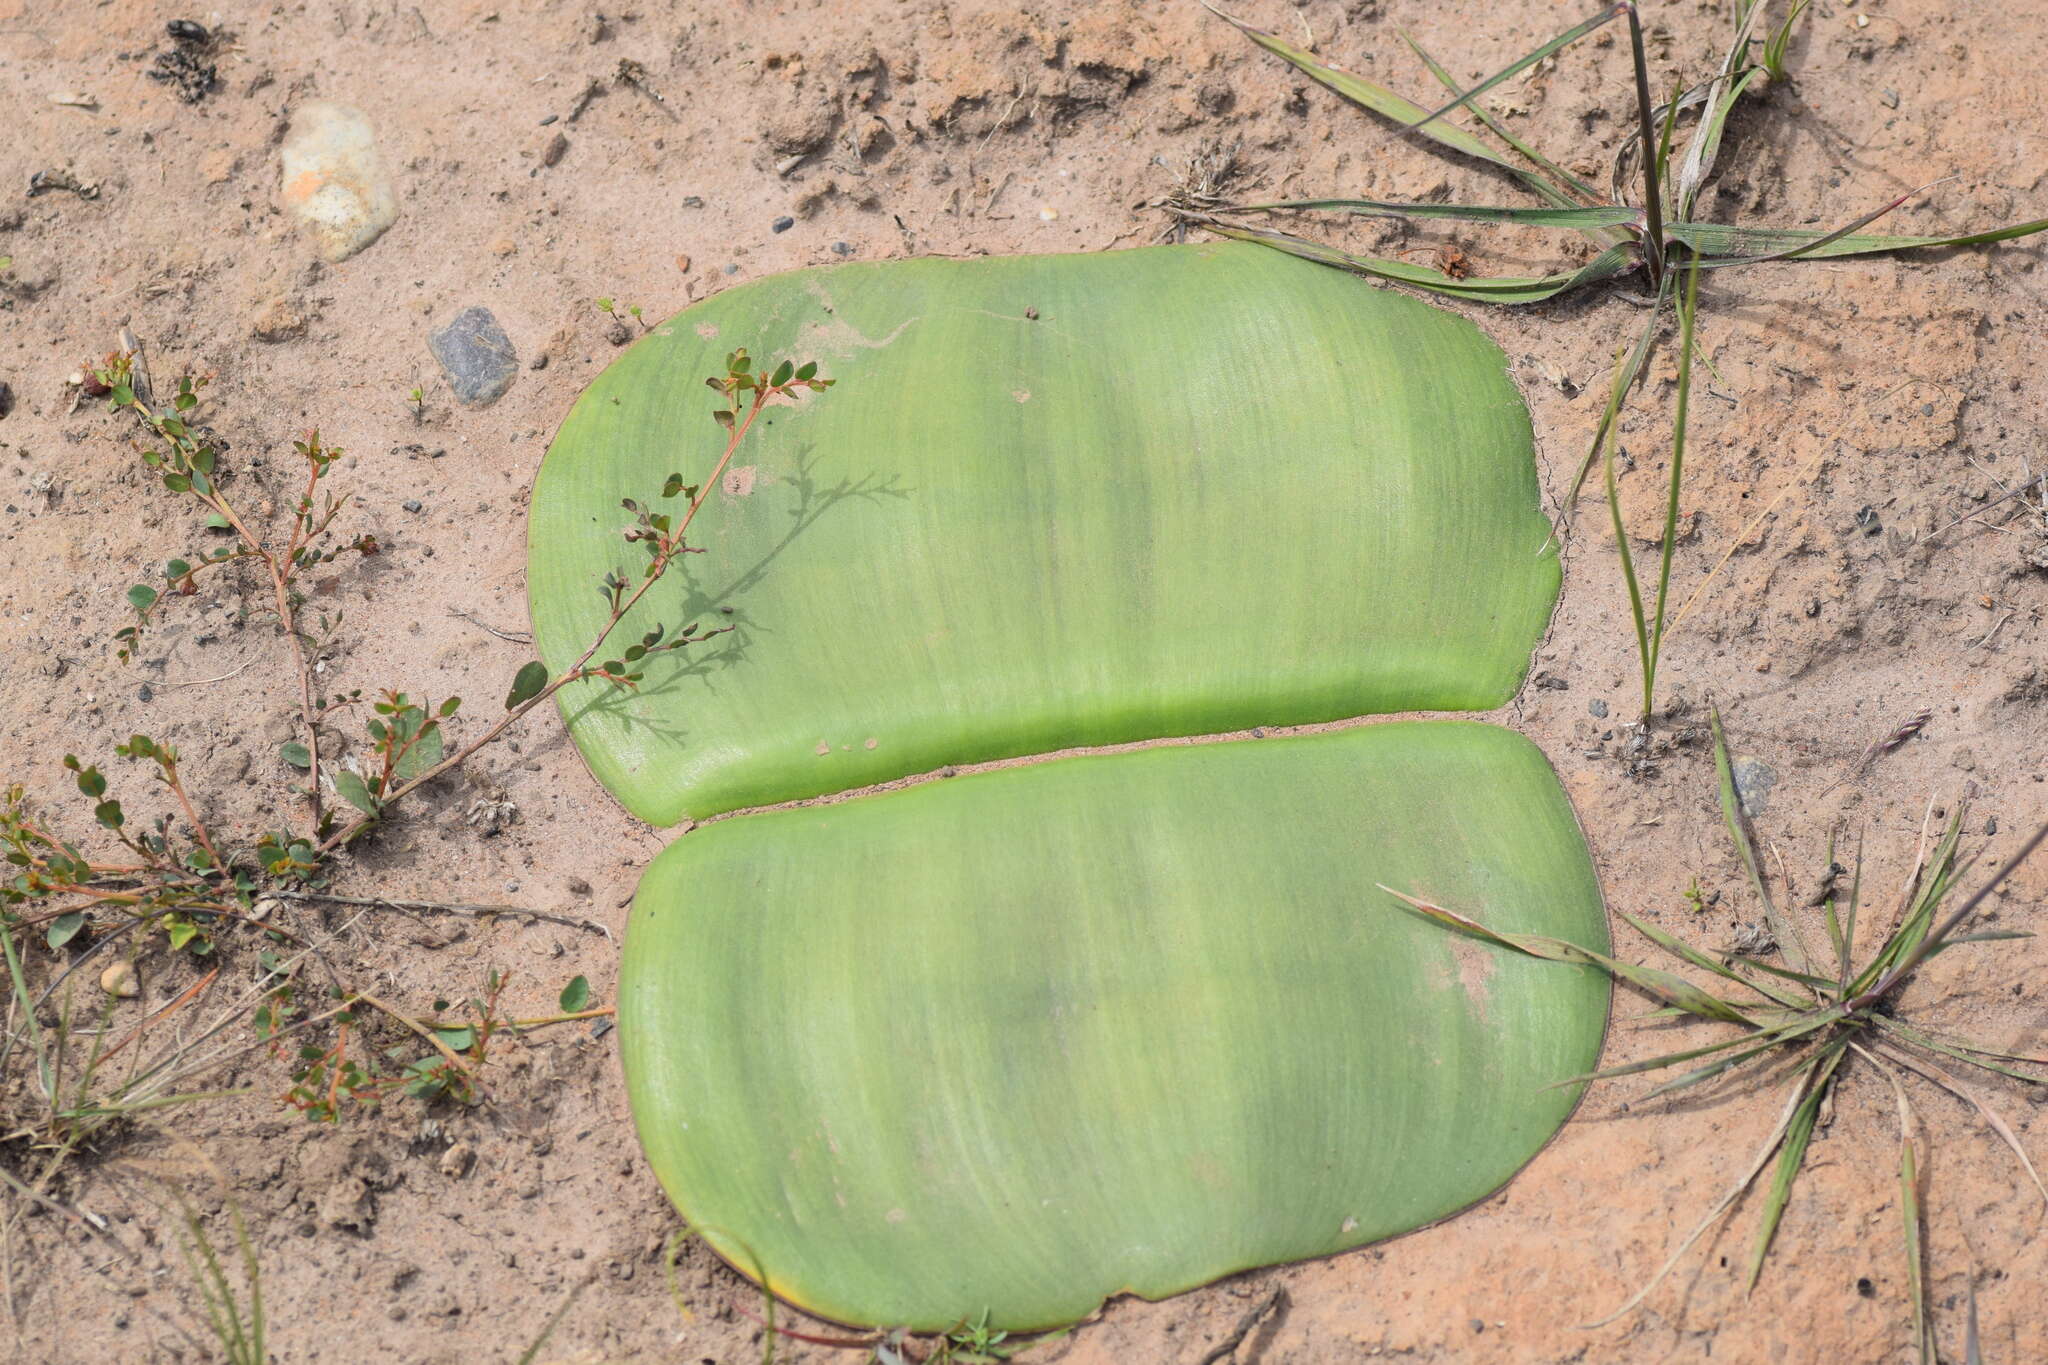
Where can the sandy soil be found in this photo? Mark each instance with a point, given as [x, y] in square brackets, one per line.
[1888, 397]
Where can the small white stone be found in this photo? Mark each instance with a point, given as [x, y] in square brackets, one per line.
[119, 981]
[334, 180]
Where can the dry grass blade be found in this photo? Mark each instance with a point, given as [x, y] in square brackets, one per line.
[1576, 219]
[1675, 991]
[1735, 1192]
[1384, 102]
[1719, 100]
[1718, 241]
[1502, 289]
[1737, 821]
[1909, 1210]
[1561, 179]
[1793, 1153]
[1991, 1117]
[1516, 68]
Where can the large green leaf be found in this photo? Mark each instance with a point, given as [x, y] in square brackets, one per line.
[1016, 1041]
[1053, 501]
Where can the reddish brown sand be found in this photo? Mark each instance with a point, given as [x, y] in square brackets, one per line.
[1865, 403]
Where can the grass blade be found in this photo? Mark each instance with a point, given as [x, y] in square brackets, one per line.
[1378, 99]
[1991, 1117]
[1720, 100]
[1792, 1154]
[1604, 446]
[1579, 219]
[1560, 179]
[1963, 1052]
[1502, 289]
[1688, 312]
[1717, 241]
[1737, 821]
[1516, 68]
[1735, 1192]
[1625, 377]
[1826, 239]
[1680, 949]
[1672, 990]
[1909, 1209]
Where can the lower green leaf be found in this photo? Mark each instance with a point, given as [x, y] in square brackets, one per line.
[1017, 1041]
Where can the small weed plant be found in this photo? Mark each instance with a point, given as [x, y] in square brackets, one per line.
[182, 879]
[1811, 1018]
[1657, 241]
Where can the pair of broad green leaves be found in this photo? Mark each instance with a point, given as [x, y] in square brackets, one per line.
[994, 1048]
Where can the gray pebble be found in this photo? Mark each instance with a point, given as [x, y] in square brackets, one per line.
[1596, 707]
[413, 504]
[732, 270]
[551, 118]
[842, 249]
[782, 224]
[1754, 779]
[476, 355]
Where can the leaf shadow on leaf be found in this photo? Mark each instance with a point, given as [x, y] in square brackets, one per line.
[814, 501]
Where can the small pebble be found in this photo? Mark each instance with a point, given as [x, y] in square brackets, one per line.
[557, 148]
[732, 270]
[1596, 707]
[551, 118]
[842, 249]
[119, 981]
[414, 505]
[782, 224]
[476, 355]
[334, 180]
[148, 693]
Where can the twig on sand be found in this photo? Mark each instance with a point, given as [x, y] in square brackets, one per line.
[446, 908]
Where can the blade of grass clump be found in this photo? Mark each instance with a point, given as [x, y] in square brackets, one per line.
[241, 1336]
[1560, 178]
[1793, 1101]
[1679, 948]
[1775, 45]
[1992, 1118]
[1627, 372]
[1899, 974]
[1716, 241]
[1583, 219]
[1793, 1153]
[1737, 821]
[1380, 100]
[1517, 67]
[1688, 312]
[1720, 99]
[1675, 991]
[1909, 1209]
[1503, 289]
